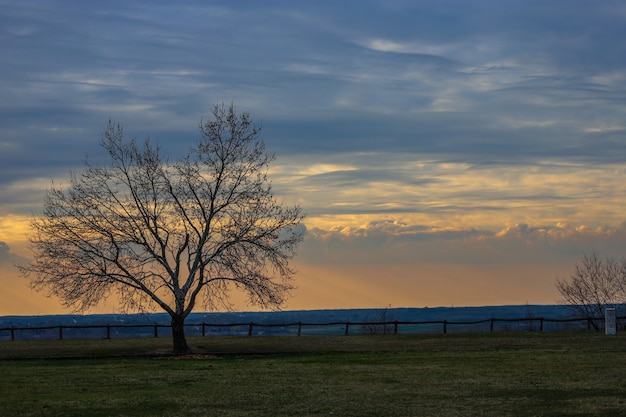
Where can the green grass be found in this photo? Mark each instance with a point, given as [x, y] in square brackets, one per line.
[515, 374]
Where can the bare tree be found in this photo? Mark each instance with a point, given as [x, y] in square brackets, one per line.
[594, 285]
[169, 235]
[380, 323]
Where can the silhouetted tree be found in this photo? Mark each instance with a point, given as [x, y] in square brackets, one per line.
[381, 323]
[169, 234]
[594, 285]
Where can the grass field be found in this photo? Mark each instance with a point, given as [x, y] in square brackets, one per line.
[501, 374]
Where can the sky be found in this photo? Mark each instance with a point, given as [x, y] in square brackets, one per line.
[446, 153]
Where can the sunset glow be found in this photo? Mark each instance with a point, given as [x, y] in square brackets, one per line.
[445, 153]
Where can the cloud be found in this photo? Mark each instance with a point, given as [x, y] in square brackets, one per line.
[4, 252]
[405, 77]
[393, 242]
[408, 131]
[350, 189]
[8, 258]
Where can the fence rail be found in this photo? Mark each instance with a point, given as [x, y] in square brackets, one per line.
[377, 327]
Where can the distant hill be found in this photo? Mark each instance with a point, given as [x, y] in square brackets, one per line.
[313, 322]
[294, 316]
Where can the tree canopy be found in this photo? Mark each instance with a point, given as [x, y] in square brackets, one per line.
[169, 234]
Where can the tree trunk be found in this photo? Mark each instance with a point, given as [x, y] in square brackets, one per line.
[178, 335]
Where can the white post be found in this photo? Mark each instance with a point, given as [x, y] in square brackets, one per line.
[610, 325]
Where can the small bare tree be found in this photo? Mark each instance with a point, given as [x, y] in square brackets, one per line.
[169, 235]
[595, 284]
[381, 323]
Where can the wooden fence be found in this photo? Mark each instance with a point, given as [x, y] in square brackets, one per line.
[383, 327]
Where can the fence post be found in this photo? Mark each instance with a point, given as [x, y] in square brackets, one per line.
[203, 332]
[12, 334]
[347, 328]
[491, 325]
[250, 328]
[299, 328]
[445, 326]
[61, 332]
[156, 331]
[108, 331]
[541, 324]
[395, 327]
